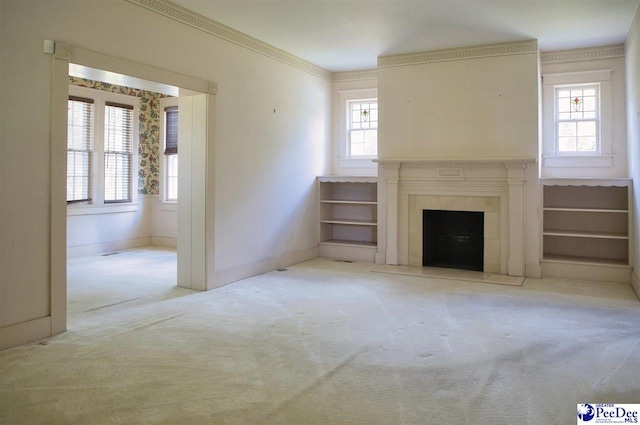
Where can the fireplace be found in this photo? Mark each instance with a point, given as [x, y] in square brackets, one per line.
[453, 239]
[494, 187]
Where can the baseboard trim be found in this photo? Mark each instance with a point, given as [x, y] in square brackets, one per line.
[25, 332]
[76, 251]
[227, 276]
[533, 270]
[163, 241]
[635, 284]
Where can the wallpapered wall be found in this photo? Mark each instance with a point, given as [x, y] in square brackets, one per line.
[148, 141]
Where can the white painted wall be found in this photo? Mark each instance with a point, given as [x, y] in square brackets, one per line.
[475, 108]
[618, 166]
[266, 162]
[96, 233]
[632, 53]
[164, 222]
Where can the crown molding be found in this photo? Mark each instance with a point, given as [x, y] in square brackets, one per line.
[460, 53]
[634, 29]
[364, 74]
[187, 17]
[589, 53]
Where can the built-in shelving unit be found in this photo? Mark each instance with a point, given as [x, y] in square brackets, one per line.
[348, 217]
[586, 229]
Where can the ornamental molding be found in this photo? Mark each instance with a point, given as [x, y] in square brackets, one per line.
[589, 53]
[365, 74]
[487, 50]
[195, 20]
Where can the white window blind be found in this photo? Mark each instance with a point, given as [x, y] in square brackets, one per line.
[118, 143]
[171, 130]
[79, 149]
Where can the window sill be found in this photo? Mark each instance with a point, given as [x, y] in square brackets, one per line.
[168, 205]
[357, 162]
[102, 209]
[578, 160]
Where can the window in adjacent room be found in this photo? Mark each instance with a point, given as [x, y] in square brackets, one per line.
[118, 152]
[79, 149]
[171, 152]
[577, 119]
[101, 147]
[169, 160]
[362, 128]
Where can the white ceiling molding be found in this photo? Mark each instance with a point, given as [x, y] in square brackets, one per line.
[635, 27]
[217, 29]
[488, 50]
[365, 74]
[589, 53]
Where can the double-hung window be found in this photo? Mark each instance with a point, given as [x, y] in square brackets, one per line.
[79, 149]
[356, 132]
[169, 161]
[101, 147]
[577, 119]
[118, 152]
[363, 128]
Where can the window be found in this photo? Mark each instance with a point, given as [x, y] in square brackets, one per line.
[101, 147]
[118, 141]
[79, 149]
[577, 119]
[169, 161]
[356, 133]
[363, 128]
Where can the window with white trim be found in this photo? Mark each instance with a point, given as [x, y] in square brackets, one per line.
[362, 128]
[169, 160]
[347, 159]
[79, 149]
[577, 119]
[101, 147]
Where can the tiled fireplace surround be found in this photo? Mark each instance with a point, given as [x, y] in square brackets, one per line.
[493, 186]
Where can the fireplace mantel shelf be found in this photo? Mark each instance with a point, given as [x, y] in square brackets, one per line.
[459, 162]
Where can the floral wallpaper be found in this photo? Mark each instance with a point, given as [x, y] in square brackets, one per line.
[148, 141]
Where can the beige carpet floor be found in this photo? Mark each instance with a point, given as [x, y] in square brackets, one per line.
[325, 343]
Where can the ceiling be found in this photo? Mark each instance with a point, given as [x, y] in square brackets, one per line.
[344, 35]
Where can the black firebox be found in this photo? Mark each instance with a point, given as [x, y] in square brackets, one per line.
[453, 239]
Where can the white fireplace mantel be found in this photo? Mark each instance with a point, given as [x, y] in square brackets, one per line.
[456, 180]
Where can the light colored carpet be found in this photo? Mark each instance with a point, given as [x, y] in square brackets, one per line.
[322, 343]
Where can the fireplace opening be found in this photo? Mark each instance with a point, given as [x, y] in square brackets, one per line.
[453, 239]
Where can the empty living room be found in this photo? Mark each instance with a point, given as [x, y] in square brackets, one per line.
[319, 212]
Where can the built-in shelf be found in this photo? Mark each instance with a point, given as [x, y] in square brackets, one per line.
[551, 258]
[352, 222]
[349, 243]
[348, 224]
[586, 223]
[594, 210]
[331, 201]
[586, 234]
